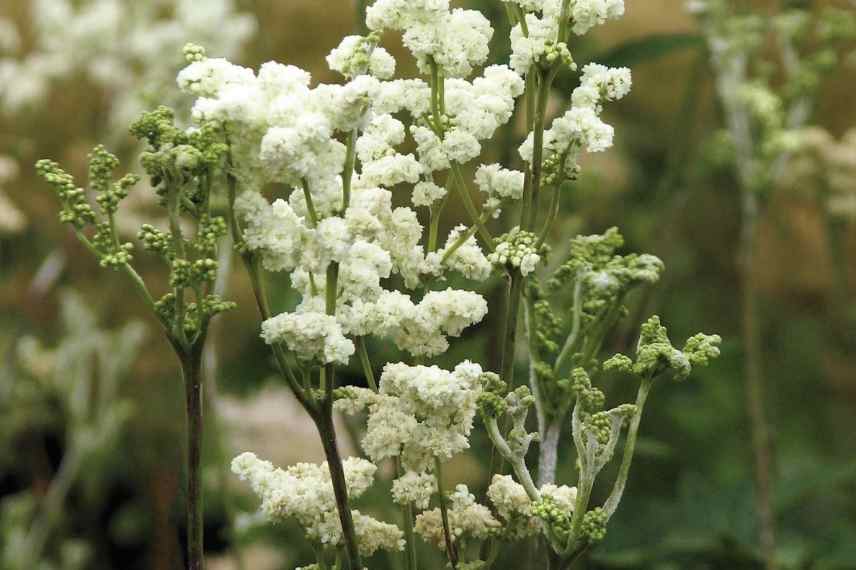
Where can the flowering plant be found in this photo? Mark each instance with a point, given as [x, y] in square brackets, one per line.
[366, 267]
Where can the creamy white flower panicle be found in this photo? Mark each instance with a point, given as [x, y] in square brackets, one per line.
[600, 83]
[123, 47]
[421, 413]
[499, 184]
[426, 193]
[304, 492]
[586, 14]
[312, 336]
[509, 497]
[357, 55]
[467, 520]
[415, 488]
[273, 230]
[456, 40]
[467, 259]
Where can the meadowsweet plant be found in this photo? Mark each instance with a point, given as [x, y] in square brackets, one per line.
[768, 69]
[182, 165]
[364, 266]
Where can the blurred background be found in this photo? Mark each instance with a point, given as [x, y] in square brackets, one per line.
[91, 409]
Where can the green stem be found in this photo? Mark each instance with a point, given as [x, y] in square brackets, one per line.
[571, 341]
[310, 206]
[348, 174]
[410, 560]
[532, 192]
[470, 207]
[629, 447]
[366, 363]
[509, 331]
[462, 239]
[444, 514]
[434, 222]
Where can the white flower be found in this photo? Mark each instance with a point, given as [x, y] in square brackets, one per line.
[468, 259]
[499, 184]
[565, 497]
[527, 49]
[416, 488]
[380, 136]
[421, 413]
[467, 519]
[509, 497]
[312, 336]
[587, 14]
[355, 56]
[599, 83]
[274, 231]
[426, 193]
[391, 170]
[304, 492]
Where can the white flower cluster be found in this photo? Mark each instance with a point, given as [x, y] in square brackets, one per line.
[599, 83]
[304, 492]
[468, 259]
[581, 128]
[467, 520]
[513, 505]
[120, 46]
[499, 184]
[415, 488]
[312, 336]
[357, 55]
[421, 413]
[456, 40]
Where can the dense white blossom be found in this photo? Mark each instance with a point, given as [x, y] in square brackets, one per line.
[456, 40]
[415, 488]
[426, 193]
[273, 230]
[509, 497]
[356, 55]
[120, 46]
[312, 336]
[420, 413]
[468, 259]
[304, 492]
[499, 184]
[467, 520]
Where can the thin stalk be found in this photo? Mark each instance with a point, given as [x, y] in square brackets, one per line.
[410, 560]
[324, 423]
[470, 207]
[462, 239]
[444, 514]
[755, 389]
[366, 363]
[434, 221]
[571, 341]
[629, 447]
[509, 330]
[191, 371]
[350, 162]
[531, 197]
[310, 206]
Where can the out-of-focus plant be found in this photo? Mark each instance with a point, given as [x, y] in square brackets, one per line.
[122, 47]
[81, 378]
[12, 220]
[182, 165]
[768, 69]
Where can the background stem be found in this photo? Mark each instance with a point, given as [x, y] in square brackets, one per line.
[191, 368]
